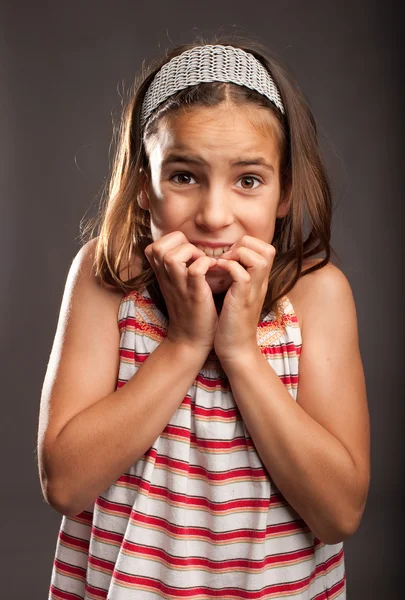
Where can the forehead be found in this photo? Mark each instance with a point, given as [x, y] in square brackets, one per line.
[223, 130]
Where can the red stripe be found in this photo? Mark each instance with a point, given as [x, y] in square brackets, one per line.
[200, 501]
[96, 592]
[73, 570]
[171, 463]
[61, 595]
[221, 565]
[79, 543]
[227, 536]
[154, 584]
[106, 565]
[231, 414]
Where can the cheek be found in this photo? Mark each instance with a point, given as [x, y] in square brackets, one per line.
[167, 215]
[162, 222]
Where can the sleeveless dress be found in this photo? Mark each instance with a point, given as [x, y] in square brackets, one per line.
[197, 516]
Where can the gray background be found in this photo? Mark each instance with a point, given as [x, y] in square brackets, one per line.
[63, 66]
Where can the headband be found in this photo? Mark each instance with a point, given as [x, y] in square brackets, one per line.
[204, 64]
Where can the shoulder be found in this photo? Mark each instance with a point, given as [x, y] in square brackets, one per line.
[323, 293]
[84, 270]
[87, 257]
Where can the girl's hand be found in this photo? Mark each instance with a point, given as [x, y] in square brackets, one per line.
[192, 314]
[243, 303]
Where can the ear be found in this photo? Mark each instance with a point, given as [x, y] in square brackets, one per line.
[143, 196]
[143, 199]
[284, 204]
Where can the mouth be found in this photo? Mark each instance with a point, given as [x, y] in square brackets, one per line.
[214, 252]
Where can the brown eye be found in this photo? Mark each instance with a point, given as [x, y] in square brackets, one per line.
[181, 175]
[251, 180]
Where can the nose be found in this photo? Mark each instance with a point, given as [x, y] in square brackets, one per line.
[214, 209]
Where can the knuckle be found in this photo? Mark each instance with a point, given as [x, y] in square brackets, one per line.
[196, 268]
[169, 256]
[177, 237]
[158, 253]
[154, 259]
[148, 251]
[193, 270]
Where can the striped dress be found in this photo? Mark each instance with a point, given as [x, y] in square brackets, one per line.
[197, 516]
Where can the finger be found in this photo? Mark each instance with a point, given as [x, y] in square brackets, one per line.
[240, 276]
[196, 273]
[151, 259]
[257, 265]
[157, 251]
[175, 263]
[259, 246]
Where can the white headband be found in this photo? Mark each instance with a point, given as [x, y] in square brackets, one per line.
[209, 63]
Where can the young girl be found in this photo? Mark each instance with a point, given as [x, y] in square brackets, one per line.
[203, 424]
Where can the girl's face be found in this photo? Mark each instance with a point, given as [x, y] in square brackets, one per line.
[197, 184]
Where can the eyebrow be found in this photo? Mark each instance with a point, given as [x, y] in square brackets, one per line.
[190, 158]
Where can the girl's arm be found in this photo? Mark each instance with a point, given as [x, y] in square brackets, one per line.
[315, 449]
[89, 434]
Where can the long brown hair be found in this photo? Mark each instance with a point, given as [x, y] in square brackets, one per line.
[123, 228]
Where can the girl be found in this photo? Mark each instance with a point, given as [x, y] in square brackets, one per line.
[203, 424]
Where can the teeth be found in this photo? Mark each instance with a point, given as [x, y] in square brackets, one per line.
[213, 251]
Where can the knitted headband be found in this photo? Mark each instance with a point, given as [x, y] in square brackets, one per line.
[209, 63]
